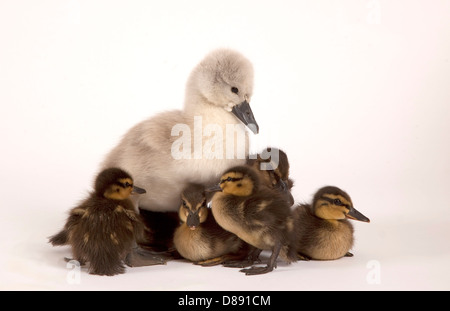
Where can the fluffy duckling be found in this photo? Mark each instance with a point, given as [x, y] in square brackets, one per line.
[163, 152]
[260, 216]
[199, 238]
[273, 165]
[322, 231]
[103, 229]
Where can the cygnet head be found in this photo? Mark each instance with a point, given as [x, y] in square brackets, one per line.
[224, 78]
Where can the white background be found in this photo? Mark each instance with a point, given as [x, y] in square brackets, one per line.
[356, 92]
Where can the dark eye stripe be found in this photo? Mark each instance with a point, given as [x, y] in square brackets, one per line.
[123, 185]
[332, 201]
[230, 179]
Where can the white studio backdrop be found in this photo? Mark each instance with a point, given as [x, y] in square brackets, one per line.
[356, 92]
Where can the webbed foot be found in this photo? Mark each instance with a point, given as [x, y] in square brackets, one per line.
[139, 257]
[240, 263]
[272, 264]
[255, 270]
[244, 261]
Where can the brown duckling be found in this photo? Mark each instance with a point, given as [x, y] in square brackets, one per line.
[103, 229]
[199, 238]
[273, 166]
[258, 215]
[322, 231]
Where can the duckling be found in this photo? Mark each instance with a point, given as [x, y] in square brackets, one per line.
[199, 238]
[103, 229]
[164, 151]
[258, 215]
[322, 231]
[273, 165]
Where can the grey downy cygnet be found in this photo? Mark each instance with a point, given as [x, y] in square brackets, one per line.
[198, 143]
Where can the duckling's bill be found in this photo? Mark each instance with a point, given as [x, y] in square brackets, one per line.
[244, 113]
[356, 215]
[214, 188]
[193, 221]
[138, 190]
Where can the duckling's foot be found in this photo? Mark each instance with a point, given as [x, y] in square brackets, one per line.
[258, 270]
[242, 262]
[270, 266]
[139, 257]
[348, 254]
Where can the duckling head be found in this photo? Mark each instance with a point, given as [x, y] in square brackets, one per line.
[239, 181]
[224, 78]
[193, 210]
[332, 203]
[275, 163]
[116, 184]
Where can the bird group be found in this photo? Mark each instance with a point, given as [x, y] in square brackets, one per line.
[211, 206]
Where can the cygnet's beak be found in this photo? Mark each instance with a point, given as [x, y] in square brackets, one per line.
[355, 215]
[138, 190]
[244, 113]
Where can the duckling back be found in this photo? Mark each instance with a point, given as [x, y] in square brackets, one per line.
[105, 234]
[320, 239]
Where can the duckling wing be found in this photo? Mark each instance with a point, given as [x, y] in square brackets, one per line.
[75, 215]
[269, 209]
[104, 229]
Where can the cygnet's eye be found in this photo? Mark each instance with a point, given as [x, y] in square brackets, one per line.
[235, 90]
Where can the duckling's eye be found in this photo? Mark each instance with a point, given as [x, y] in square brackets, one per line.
[127, 184]
[235, 90]
[337, 202]
[184, 203]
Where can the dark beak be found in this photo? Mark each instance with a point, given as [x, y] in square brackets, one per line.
[193, 220]
[355, 215]
[138, 190]
[283, 188]
[244, 113]
[214, 188]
